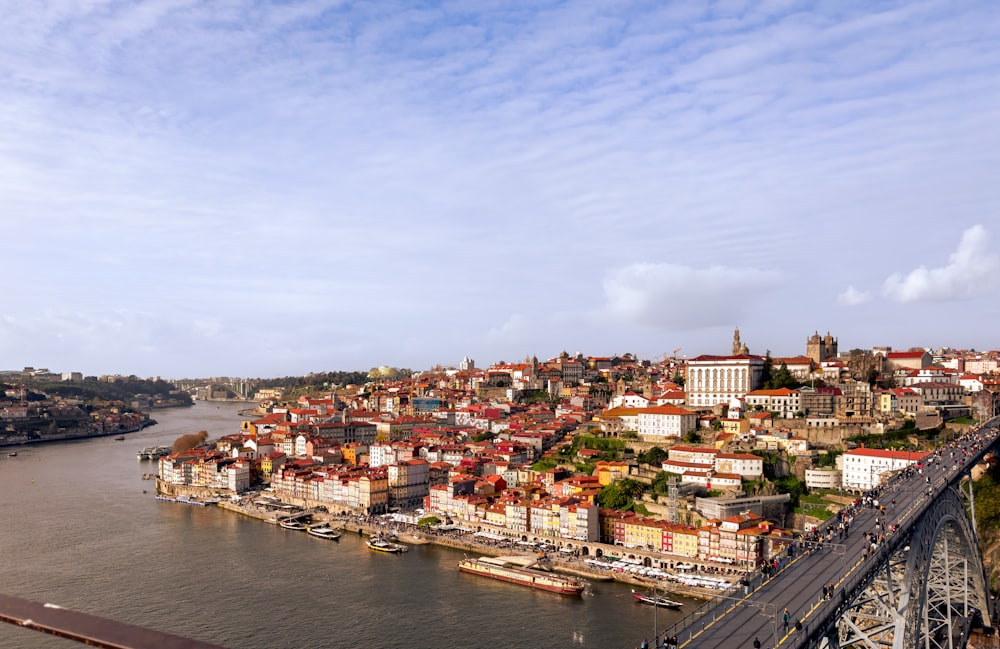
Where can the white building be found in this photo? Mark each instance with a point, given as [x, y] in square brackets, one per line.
[864, 468]
[665, 421]
[713, 380]
[823, 478]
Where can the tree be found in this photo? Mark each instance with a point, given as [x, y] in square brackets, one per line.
[612, 497]
[654, 456]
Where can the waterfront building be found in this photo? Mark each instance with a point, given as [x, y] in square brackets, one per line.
[580, 521]
[409, 483]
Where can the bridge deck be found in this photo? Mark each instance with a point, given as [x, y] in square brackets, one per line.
[733, 622]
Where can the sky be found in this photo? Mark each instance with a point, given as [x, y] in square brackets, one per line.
[195, 188]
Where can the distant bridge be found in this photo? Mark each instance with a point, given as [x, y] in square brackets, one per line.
[235, 389]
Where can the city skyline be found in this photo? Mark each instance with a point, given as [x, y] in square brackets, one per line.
[194, 189]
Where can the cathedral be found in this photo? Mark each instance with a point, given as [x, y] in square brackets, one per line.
[820, 349]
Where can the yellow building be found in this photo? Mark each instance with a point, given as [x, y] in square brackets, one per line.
[608, 472]
[735, 426]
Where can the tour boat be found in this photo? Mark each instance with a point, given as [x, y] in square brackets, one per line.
[653, 599]
[324, 533]
[379, 544]
[497, 569]
[292, 525]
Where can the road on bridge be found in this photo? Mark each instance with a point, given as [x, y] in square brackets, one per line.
[798, 587]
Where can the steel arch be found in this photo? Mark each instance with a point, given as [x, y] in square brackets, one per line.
[924, 594]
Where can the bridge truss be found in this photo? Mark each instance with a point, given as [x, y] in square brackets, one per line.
[924, 594]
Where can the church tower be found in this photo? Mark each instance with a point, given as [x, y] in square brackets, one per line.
[739, 349]
[819, 349]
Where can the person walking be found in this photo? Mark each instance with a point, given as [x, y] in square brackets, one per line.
[756, 643]
[785, 618]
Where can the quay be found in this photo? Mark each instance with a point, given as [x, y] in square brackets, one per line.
[368, 526]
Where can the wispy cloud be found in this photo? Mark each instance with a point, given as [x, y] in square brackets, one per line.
[853, 297]
[973, 269]
[313, 152]
[670, 296]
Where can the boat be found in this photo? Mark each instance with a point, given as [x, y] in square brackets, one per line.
[653, 599]
[324, 533]
[497, 569]
[292, 525]
[120, 438]
[379, 544]
[190, 500]
[12, 454]
[153, 452]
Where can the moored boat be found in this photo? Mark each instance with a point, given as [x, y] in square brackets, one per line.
[653, 599]
[292, 525]
[523, 576]
[379, 544]
[324, 532]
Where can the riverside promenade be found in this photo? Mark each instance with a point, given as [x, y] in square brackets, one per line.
[459, 540]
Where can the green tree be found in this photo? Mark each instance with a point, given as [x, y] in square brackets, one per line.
[654, 456]
[612, 497]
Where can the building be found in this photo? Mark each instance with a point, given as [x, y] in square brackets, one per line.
[715, 380]
[665, 421]
[819, 349]
[903, 361]
[784, 402]
[864, 468]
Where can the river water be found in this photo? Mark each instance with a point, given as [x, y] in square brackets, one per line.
[81, 529]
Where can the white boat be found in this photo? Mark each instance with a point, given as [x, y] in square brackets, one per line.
[656, 600]
[292, 525]
[324, 533]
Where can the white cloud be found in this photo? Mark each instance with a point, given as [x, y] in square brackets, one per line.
[853, 297]
[680, 297]
[971, 271]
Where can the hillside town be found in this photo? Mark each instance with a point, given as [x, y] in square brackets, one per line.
[682, 457]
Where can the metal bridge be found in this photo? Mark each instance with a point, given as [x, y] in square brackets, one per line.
[908, 577]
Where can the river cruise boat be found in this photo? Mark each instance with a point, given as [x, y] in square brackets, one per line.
[380, 544]
[523, 576]
[324, 532]
[292, 525]
[153, 452]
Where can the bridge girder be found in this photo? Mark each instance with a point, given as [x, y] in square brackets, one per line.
[924, 594]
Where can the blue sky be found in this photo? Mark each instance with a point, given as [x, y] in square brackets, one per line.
[196, 188]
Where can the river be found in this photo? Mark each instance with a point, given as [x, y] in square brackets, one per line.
[81, 529]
